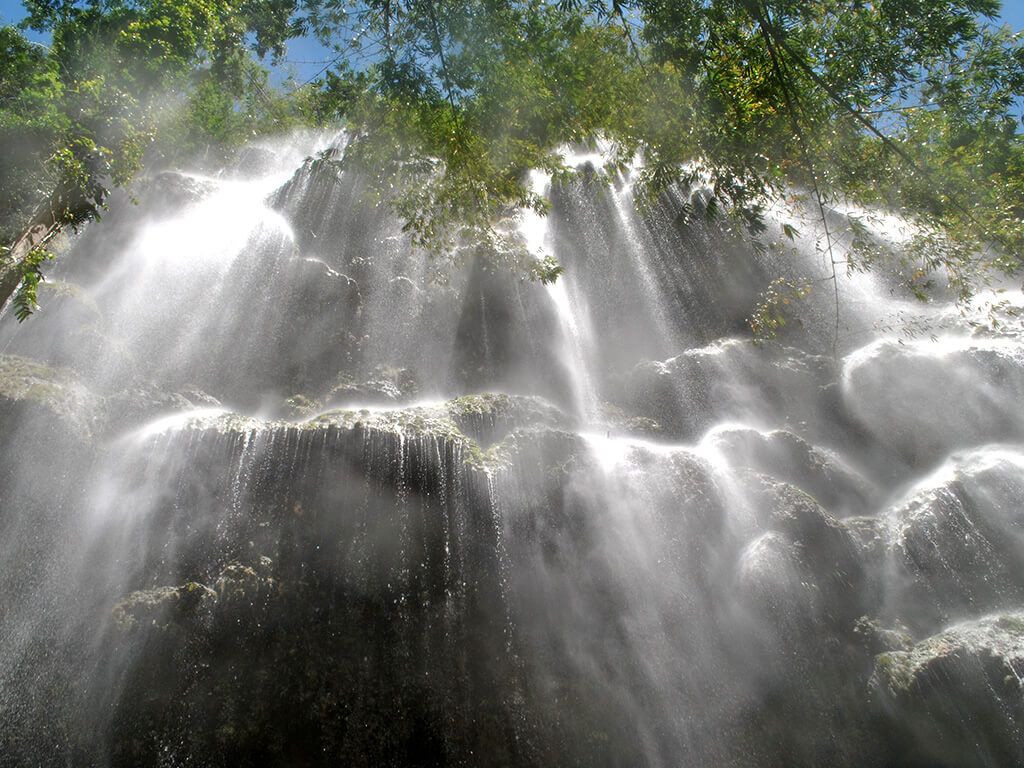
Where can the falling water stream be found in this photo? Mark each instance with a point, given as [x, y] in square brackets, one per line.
[271, 495]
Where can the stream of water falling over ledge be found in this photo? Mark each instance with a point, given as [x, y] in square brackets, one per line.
[269, 495]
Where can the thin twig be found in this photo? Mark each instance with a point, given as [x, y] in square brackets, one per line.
[791, 109]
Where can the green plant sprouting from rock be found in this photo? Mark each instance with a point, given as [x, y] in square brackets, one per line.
[26, 298]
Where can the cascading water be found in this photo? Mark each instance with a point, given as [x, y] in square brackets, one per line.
[271, 496]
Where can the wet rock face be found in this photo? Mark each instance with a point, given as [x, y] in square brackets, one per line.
[488, 532]
[266, 669]
[274, 619]
[30, 390]
[137, 405]
[57, 404]
[787, 456]
[955, 548]
[489, 418]
[894, 393]
[327, 304]
[351, 611]
[253, 161]
[823, 554]
[265, 638]
[731, 380]
[384, 386]
[309, 199]
[956, 698]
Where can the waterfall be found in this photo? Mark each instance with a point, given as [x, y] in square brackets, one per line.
[271, 494]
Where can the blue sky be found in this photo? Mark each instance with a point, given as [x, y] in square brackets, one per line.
[306, 58]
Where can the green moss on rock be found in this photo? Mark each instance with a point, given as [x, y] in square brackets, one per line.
[28, 384]
[956, 696]
[1014, 624]
[161, 606]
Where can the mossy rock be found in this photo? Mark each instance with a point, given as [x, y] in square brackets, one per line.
[998, 636]
[385, 385]
[160, 607]
[300, 406]
[134, 406]
[724, 381]
[789, 457]
[489, 417]
[29, 388]
[820, 553]
[956, 698]
[955, 543]
[619, 420]
[881, 640]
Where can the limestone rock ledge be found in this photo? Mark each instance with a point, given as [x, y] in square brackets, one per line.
[958, 695]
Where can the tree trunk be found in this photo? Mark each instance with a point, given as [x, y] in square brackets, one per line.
[60, 209]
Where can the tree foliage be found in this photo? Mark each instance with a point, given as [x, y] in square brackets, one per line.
[77, 116]
[904, 104]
